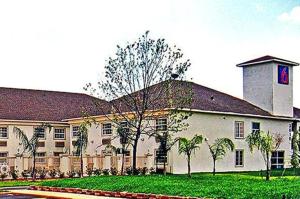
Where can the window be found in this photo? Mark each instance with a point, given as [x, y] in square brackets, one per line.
[41, 144]
[3, 143]
[60, 144]
[75, 131]
[277, 160]
[106, 129]
[161, 124]
[40, 132]
[59, 133]
[239, 157]
[160, 157]
[3, 132]
[125, 126]
[239, 129]
[3, 157]
[41, 157]
[255, 127]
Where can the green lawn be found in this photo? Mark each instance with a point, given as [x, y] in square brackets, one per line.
[224, 185]
[17, 183]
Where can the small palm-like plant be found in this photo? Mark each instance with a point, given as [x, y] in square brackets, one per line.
[265, 143]
[30, 145]
[81, 142]
[188, 146]
[218, 149]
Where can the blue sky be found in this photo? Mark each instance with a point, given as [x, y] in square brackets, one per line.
[63, 44]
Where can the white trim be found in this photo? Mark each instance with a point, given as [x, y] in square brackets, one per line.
[34, 121]
[270, 60]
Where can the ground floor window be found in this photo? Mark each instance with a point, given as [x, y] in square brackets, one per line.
[41, 157]
[161, 157]
[3, 157]
[239, 157]
[277, 160]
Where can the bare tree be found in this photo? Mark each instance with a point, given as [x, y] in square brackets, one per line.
[138, 84]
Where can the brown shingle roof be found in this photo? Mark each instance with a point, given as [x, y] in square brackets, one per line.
[296, 112]
[208, 99]
[266, 59]
[39, 105]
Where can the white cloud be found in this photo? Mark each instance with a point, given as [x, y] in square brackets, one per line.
[293, 16]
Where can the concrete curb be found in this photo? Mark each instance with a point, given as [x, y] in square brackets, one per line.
[107, 193]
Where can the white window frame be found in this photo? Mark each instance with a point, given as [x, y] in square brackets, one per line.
[161, 124]
[2, 131]
[60, 133]
[44, 133]
[40, 159]
[239, 129]
[277, 159]
[107, 131]
[160, 162]
[3, 159]
[238, 162]
[255, 130]
[75, 133]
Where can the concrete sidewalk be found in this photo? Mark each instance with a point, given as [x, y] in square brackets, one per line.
[56, 194]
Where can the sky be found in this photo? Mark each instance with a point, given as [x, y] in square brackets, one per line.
[62, 45]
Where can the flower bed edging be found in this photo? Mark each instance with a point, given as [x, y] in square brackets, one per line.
[107, 193]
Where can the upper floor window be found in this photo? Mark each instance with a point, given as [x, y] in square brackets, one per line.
[59, 134]
[239, 129]
[40, 132]
[255, 127]
[75, 131]
[106, 129]
[161, 124]
[3, 132]
[125, 126]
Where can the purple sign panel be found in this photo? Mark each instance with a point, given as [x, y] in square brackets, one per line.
[283, 74]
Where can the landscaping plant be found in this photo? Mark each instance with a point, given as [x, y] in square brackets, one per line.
[266, 143]
[218, 149]
[188, 146]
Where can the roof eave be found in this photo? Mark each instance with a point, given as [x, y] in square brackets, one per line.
[266, 61]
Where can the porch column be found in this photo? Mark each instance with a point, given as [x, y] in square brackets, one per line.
[65, 165]
[107, 162]
[19, 163]
[150, 160]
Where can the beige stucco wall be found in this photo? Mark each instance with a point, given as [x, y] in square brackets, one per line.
[14, 146]
[214, 126]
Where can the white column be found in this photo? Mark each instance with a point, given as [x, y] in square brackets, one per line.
[19, 163]
[65, 165]
[107, 162]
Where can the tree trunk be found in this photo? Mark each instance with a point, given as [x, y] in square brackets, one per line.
[268, 168]
[33, 169]
[214, 169]
[81, 165]
[134, 151]
[189, 165]
[123, 156]
[165, 171]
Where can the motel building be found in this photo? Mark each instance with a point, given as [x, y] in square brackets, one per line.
[267, 105]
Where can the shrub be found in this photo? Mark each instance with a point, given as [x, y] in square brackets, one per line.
[114, 171]
[3, 175]
[14, 174]
[78, 173]
[144, 171]
[97, 172]
[89, 172]
[42, 173]
[105, 172]
[52, 173]
[152, 171]
[71, 174]
[128, 171]
[25, 174]
[61, 174]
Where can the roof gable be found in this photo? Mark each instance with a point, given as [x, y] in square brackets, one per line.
[266, 59]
